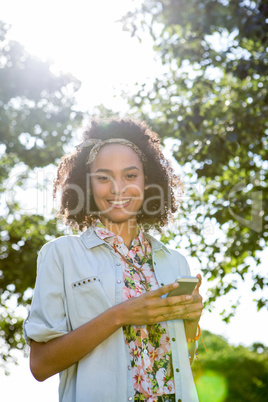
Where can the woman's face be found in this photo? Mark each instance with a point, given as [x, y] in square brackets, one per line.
[117, 182]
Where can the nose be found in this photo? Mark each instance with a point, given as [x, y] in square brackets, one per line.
[118, 186]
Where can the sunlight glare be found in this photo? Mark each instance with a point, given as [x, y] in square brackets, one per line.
[85, 39]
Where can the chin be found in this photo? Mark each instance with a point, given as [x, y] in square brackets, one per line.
[121, 219]
[118, 217]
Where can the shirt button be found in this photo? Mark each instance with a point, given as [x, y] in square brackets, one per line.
[179, 400]
[130, 398]
[162, 284]
[129, 368]
[118, 264]
[118, 281]
[177, 370]
[174, 339]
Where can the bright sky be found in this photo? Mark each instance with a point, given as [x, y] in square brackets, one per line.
[83, 38]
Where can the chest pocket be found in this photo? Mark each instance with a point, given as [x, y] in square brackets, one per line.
[90, 298]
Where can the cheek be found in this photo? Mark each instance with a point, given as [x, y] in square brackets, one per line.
[98, 190]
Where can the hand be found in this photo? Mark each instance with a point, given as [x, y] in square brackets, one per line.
[150, 308]
[196, 299]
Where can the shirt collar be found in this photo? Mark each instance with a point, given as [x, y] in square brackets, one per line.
[101, 230]
[156, 244]
[91, 239]
[111, 238]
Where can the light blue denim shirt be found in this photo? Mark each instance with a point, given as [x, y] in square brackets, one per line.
[78, 278]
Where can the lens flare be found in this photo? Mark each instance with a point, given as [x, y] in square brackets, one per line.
[211, 387]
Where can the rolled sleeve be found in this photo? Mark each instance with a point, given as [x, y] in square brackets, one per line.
[47, 317]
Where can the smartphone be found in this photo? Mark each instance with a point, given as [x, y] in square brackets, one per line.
[187, 285]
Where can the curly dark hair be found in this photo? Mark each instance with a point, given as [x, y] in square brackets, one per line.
[72, 176]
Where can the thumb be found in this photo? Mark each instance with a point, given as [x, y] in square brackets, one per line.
[196, 289]
[164, 289]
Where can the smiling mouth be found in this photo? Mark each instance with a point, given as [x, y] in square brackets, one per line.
[119, 203]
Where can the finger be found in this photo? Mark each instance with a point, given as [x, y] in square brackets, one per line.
[177, 300]
[185, 299]
[195, 298]
[164, 289]
[190, 311]
[196, 289]
[181, 309]
[187, 307]
[175, 315]
[192, 316]
[194, 313]
[200, 279]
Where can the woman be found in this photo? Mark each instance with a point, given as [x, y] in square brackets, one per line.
[99, 315]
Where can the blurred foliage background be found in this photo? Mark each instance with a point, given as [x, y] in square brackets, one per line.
[212, 102]
[37, 119]
[228, 373]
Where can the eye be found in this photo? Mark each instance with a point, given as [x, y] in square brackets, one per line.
[131, 176]
[102, 178]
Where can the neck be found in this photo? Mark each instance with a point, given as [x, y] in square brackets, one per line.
[128, 230]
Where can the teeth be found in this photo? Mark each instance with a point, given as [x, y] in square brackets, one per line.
[119, 202]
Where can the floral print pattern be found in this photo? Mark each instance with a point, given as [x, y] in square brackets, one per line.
[148, 345]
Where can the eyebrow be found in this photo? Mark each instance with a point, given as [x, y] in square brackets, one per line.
[123, 170]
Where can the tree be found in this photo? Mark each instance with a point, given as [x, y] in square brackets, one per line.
[37, 117]
[227, 373]
[212, 98]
